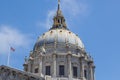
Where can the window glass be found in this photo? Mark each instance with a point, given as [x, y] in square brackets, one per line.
[36, 70]
[61, 70]
[74, 71]
[85, 73]
[47, 70]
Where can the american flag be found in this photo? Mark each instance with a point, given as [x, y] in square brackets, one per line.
[12, 49]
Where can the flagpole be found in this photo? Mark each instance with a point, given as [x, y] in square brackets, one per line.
[8, 61]
[10, 50]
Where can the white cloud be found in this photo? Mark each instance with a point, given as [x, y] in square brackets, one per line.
[49, 20]
[74, 7]
[12, 37]
[71, 8]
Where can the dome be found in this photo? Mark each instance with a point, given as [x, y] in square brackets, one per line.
[60, 36]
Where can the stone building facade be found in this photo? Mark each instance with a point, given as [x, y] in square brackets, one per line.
[58, 54]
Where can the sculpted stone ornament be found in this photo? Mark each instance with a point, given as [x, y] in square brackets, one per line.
[43, 50]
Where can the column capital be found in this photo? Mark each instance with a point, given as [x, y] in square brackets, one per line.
[69, 53]
[82, 56]
[54, 54]
[91, 63]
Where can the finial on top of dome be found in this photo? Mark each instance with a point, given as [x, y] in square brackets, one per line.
[59, 12]
[59, 20]
[58, 4]
[58, 1]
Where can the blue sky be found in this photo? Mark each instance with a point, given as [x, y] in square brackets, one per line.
[97, 22]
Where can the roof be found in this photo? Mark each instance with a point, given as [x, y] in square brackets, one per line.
[59, 36]
[21, 72]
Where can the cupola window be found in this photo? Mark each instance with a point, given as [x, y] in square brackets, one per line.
[36, 70]
[60, 31]
[61, 21]
[58, 21]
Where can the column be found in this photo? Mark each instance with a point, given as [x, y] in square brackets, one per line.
[92, 67]
[29, 66]
[93, 72]
[82, 68]
[25, 67]
[40, 66]
[54, 65]
[69, 66]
